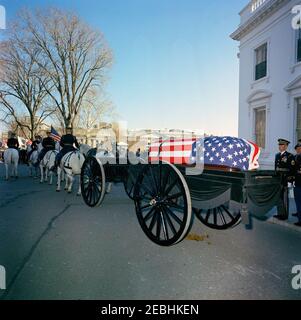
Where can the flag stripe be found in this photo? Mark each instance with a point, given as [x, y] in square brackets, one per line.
[219, 151]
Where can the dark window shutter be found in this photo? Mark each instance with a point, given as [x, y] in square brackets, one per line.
[261, 70]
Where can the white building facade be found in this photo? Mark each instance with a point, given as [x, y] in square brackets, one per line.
[270, 75]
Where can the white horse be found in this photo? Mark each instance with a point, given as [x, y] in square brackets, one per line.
[84, 149]
[11, 158]
[71, 165]
[33, 163]
[46, 164]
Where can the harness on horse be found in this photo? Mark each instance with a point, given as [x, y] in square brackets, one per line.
[67, 160]
[49, 156]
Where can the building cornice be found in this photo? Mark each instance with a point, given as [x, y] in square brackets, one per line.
[257, 18]
[295, 84]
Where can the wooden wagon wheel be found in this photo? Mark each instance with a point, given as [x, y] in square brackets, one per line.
[93, 182]
[163, 204]
[220, 218]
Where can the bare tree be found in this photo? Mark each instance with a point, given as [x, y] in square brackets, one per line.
[23, 86]
[75, 57]
[95, 109]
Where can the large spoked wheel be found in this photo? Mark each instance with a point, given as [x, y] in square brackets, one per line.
[93, 182]
[219, 218]
[163, 204]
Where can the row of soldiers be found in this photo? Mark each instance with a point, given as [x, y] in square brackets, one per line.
[68, 143]
[288, 166]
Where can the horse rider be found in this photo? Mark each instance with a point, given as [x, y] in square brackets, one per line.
[297, 189]
[48, 144]
[34, 146]
[68, 143]
[284, 167]
[13, 142]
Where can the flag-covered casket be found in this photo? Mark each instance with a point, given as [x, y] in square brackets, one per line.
[231, 182]
[216, 179]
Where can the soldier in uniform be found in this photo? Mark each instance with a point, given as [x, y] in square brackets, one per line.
[68, 143]
[34, 146]
[284, 166]
[297, 189]
[13, 142]
[48, 144]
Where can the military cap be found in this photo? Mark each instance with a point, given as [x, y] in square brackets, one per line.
[298, 145]
[283, 141]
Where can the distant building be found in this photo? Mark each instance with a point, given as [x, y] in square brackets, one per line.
[270, 75]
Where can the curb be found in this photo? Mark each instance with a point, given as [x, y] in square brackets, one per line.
[286, 224]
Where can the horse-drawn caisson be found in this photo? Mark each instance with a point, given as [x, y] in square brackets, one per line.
[168, 193]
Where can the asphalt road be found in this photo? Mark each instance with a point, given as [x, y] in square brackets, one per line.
[55, 247]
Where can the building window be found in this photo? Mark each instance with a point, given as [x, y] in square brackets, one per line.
[298, 124]
[261, 61]
[260, 127]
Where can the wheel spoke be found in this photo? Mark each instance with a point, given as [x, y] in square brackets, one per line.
[222, 216]
[175, 196]
[207, 216]
[158, 233]
[145, 187]
[176, 206]
[171, 186]
[153, 221]
[131, 189]
[149, 215]
[172, 227]
[175, 217]
[215, 216]
[164, 226]
[146, 206]
[89, 196]
[228, 212]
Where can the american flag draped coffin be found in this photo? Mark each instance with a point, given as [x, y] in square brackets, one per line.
[223, 152]
[230, 177]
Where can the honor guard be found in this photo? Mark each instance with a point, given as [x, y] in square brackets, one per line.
[34, 146]
[13, 142]
[284, 166]
[297, 189]
[68, 143]
[48, 144]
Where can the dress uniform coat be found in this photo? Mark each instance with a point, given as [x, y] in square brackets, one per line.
[297, 189]
[284, 166]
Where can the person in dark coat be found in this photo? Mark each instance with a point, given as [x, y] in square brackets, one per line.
[48, 144]
[297, 189]
[284, 167]
[13, 142]
[68, 143]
